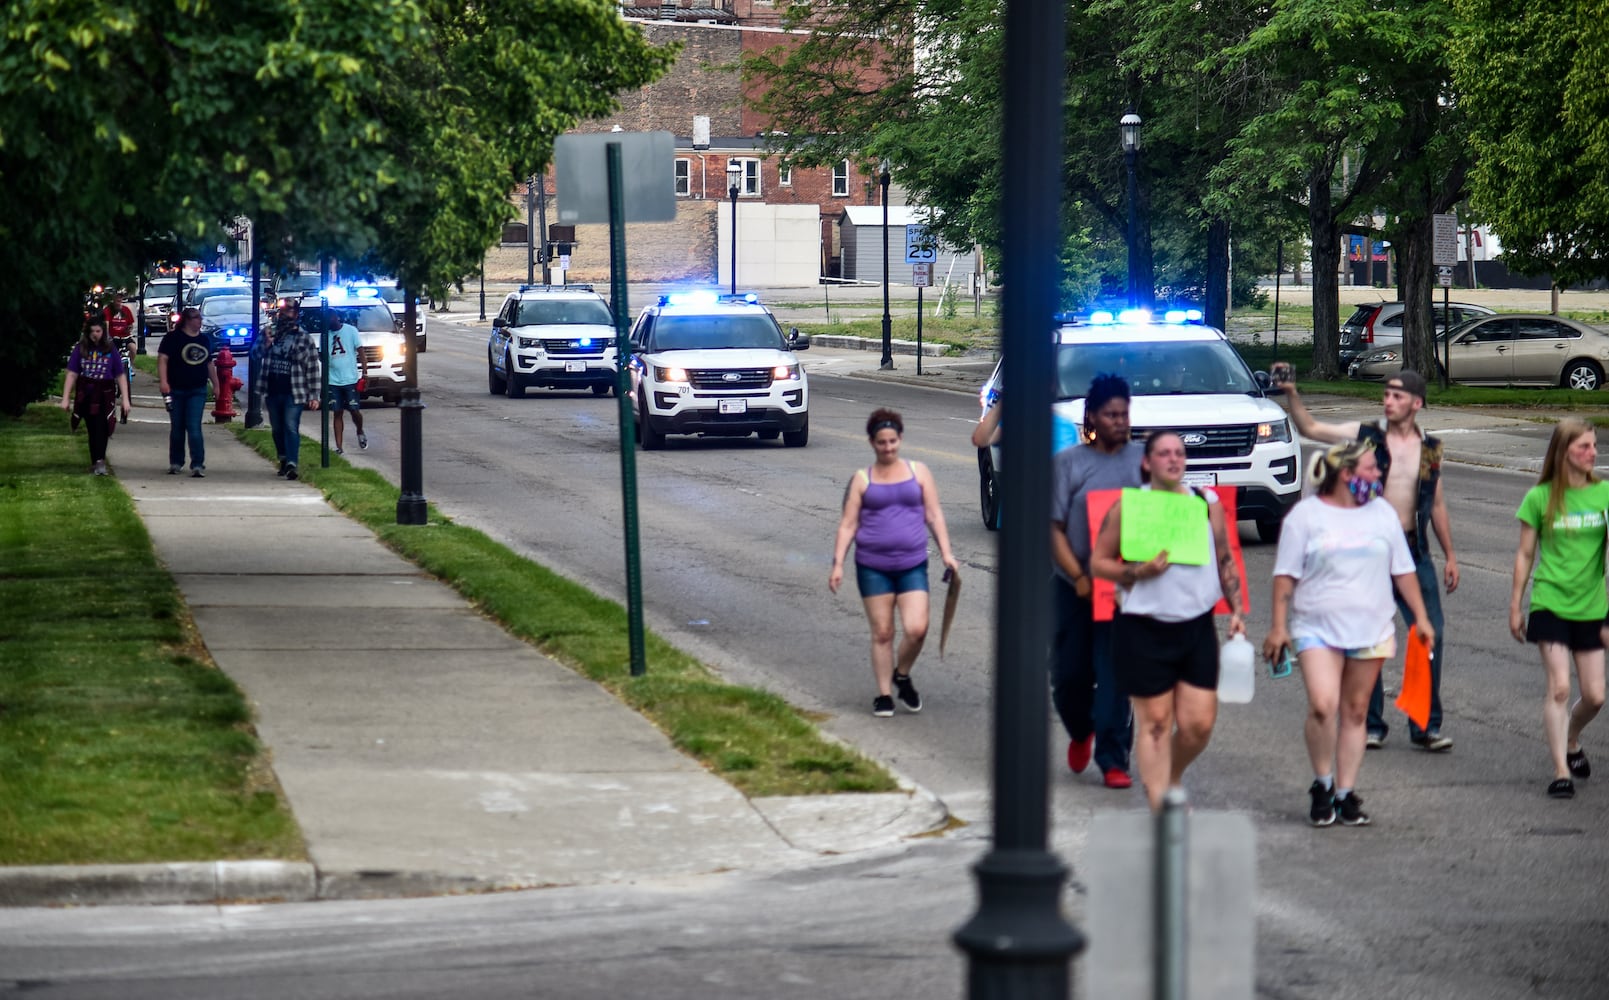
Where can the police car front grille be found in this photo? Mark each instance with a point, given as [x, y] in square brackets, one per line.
[721, 378]
[574, 347]
[1234, 441]
[370, 355]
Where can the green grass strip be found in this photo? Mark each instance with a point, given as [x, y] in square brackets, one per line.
[120, 740]
[755, 740]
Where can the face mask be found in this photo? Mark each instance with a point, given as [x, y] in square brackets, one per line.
[1363, 490]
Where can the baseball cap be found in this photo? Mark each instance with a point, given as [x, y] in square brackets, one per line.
[1408, 380]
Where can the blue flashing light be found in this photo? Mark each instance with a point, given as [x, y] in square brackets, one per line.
[751, 298]
[1100, 318]
[1173, 316]
[585, 341]
[1133, 316]
[364, 291]
[702, 297]
[1193, 315]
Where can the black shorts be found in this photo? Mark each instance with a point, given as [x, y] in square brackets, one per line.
[1151, 657]
[1578, 636]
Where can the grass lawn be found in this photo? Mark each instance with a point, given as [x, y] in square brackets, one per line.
[964, 332]
[755, 740]
[120, 740]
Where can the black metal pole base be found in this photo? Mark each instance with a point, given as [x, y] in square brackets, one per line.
[887, 363]
[411, 505]
[1019, 944]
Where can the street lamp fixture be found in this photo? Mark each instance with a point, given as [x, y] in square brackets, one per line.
[887, 363]
[734, 176]
[1128, 131]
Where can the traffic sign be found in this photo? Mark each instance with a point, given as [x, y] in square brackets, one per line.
[1446, 249]
[1444, 277]
[919, 246]
[922, 275]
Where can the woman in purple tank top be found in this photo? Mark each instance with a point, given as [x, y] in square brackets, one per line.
[889, 509]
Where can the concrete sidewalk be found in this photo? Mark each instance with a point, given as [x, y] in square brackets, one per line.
[422, 748]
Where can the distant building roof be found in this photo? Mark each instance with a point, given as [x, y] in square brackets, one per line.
[898, 215]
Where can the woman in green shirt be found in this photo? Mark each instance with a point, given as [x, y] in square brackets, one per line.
[1563, 521]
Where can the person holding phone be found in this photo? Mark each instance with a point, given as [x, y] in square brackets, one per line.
[889, 509]
[1340, 553]
[1562, 535]
[1414, 491]
[1164, 639]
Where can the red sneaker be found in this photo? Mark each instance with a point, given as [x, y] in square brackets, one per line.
[1116, 777]
[1078, 753]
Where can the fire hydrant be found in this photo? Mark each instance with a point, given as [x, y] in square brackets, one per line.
[225, 410]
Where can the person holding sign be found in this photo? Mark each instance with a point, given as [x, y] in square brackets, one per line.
[1339, 553]
[1167, 549]
[1083, 678]
[1562, 533]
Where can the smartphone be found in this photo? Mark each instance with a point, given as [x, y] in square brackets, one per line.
[947, 575]
[1280, 373]
[1284, 665]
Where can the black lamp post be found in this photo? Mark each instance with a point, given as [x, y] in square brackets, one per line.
[1128, 130]
[734, 175]
[888, 324]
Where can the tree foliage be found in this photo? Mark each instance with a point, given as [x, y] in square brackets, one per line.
[1531, 78]
[335, 125]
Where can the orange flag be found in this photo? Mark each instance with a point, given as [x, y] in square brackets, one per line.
[1414, 698]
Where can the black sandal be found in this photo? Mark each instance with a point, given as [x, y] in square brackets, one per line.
[1562, 788]
[1578, 764]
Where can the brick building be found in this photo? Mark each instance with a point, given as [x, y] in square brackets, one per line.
[702, 101]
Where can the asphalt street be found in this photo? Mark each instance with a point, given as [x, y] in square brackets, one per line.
[1470, 883]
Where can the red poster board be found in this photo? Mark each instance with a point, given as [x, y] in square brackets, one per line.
[1104, 594]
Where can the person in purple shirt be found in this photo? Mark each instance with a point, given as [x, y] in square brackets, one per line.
[95, 377]
[889, 508]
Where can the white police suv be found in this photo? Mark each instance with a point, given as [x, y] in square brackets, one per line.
[718, 366]
[382, 349]
[1183, 376]
[558, 336]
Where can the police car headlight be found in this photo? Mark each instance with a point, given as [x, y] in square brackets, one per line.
[393, 352]
[670, 374]
[785, 373]
[526, 343]
[1278, 431]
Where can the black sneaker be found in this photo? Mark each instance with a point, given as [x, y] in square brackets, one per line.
[1351, 810]
[1578, 764]
[1322, 811]
[1435, 742]
[173, 470]
[907, 692]
[283, 468]
[290, 471]
[1374, 741]
[1561, 788]
[883, 706]
[199, 472]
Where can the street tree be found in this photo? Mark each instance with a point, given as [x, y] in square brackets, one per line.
[1530, 77]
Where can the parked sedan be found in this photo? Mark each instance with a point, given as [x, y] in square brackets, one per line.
[1510, 349]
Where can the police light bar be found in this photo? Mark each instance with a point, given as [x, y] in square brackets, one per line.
[1100, 318]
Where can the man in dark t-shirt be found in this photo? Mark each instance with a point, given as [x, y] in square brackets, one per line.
[185, 369]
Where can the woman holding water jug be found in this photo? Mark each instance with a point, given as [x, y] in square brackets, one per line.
[1164, 640]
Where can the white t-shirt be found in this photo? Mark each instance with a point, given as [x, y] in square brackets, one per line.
[1343, 559]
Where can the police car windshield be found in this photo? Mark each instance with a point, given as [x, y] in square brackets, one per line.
[374, 318]
[562, 312]
[1155, 369]
[697, 333]
[226, 308]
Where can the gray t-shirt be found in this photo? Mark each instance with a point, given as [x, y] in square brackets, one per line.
[1079, 470]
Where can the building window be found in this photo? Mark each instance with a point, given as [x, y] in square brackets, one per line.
[785, 173]
[840, 179]
[684, 178]
[750, 186]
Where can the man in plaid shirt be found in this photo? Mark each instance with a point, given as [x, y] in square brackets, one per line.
[292, 374]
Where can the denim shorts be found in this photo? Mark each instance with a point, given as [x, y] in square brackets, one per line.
[345, 397]
[875, 582]
[1379, 651]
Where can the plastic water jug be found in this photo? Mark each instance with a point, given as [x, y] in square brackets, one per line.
[1235, 674]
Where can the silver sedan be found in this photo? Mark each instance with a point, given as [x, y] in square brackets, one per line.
[1508, 349]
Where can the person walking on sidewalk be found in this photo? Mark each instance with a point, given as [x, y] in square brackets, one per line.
[95, 377]
[184, 369]
[1562, 534]
[1340, 551]
[1164, 642]
[343, 395]
[1415, 492]
[889, 509]
[1083, 681]
[291, 373]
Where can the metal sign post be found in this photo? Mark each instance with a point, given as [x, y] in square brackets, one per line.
[921, 277]
[1446, 255]
[639, 186]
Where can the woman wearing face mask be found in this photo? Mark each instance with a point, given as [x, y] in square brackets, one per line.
[1339, 552]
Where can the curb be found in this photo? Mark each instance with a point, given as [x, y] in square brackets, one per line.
[869, 344]
[159, 884]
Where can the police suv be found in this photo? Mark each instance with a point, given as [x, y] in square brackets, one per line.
[382, 349]
[718, 366]
[1183, 376]
[558, 336]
